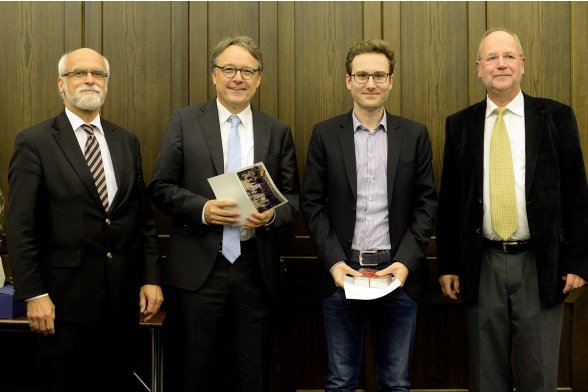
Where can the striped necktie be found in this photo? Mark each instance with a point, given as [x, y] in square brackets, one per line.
[94, 161]
[503, 204]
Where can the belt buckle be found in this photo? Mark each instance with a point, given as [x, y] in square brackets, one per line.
[361, 253]
[507, 243]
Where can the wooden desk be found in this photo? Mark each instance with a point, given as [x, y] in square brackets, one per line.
[20, 324]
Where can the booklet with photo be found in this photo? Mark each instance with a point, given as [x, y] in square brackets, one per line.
[252, 187]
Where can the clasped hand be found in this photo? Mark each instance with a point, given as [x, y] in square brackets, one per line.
[222, 212]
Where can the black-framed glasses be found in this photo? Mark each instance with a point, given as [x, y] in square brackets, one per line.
[229, 71]
[363, 77]
[79, 74]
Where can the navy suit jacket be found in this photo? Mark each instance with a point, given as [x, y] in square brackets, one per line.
[329, 196]
[190, 154]
[555, 189]
[61, 241]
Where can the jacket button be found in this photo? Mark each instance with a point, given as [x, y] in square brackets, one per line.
[480, 200]
[478, 231]
[107, 221]
[109, 255]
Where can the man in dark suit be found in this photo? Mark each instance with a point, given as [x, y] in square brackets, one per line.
[222, 280]
[369, 201]
[512, 242]
[81, 235]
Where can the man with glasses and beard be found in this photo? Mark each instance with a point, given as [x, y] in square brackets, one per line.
[81, 235]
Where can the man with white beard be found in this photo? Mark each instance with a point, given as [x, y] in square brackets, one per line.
[81, 236]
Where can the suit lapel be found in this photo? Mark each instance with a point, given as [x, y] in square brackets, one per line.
[533, 133]
[67, 141]
[474, 132]
[208, 119]
[261, 136]
[394, 146]
[347, 141]
[115, 147]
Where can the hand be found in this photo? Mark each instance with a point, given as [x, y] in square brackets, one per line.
[399, 270]
[150, 299]
[573, 281]
[258, 219]
[219, 212]
[41, 315]
[449, 285]
[340, 270]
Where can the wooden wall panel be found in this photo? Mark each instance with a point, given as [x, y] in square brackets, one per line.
[579, 72]
[199, 52]
[137, 42]
[160, 53]
[31, 48]
[434, 74]
[476, 27]
[391, 32]
[324, 31]
[268, 43]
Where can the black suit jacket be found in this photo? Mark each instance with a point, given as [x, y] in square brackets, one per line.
[60, 239]
[555, 189]
[190, 154]
[330, 192]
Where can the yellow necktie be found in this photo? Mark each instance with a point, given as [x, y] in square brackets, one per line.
[503, 206]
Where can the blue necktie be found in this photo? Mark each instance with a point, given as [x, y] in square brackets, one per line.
[231, 234]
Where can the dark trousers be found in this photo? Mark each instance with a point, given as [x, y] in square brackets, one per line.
[87, 357]
[509, 319]
[221, 328]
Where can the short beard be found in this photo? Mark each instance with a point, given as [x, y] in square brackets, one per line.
[89, 102]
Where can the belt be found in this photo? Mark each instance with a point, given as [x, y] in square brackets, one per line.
[370, 258]
[508, 246]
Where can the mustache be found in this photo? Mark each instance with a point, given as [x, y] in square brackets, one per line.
[95, 89]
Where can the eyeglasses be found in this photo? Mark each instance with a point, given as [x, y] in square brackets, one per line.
[79, 74]
[363, 77]
[230, 71]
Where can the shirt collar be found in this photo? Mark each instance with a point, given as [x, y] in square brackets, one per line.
[382, 124]
[516, 106]
[77, 122]
[246, 116]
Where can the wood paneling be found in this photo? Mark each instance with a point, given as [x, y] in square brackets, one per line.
[160, 52]
[434, 71]
[138, 47]
[579, 72]
[31, 48]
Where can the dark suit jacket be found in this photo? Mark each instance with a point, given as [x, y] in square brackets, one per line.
[330, 192]
[60, 239]
[555, 188]
[190, 154]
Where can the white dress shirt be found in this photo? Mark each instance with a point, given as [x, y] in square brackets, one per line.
[514, 119]
[82, 136]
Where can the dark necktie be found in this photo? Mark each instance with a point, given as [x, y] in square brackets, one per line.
[94, 161]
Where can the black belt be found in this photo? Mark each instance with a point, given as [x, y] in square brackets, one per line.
[370, 258]
[508, 246]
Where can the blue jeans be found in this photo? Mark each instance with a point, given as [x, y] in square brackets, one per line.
[393, 319]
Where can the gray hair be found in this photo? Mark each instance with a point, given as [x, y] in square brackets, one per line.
[245, 42]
